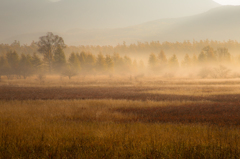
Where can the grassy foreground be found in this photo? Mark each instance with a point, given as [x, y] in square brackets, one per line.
[104, 129]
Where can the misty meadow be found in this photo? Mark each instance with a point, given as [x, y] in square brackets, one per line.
[124, 79]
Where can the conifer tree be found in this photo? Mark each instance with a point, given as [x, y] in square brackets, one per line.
[29, 58]
[74, 62]
[36, 63]
[25, 66]
[82, 58]
[90, 63]
[73, 67]
[59, 60]
[13, 60]
[186, 61]
[173, 62]
[4, 66]
[162, 58]
[100, 63]
[127, 64]
[210, 54]
[153, 61]
[194, 60]
[109, 63]
[118, 62]
[223, 55]
[202, 58]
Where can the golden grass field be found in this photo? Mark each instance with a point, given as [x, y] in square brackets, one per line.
[119, 117]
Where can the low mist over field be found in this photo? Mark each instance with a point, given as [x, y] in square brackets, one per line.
[120, 79]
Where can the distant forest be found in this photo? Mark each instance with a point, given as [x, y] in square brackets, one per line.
[201, 59]
[190, 47]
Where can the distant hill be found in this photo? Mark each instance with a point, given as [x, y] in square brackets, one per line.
[19, 17]
[221, 23]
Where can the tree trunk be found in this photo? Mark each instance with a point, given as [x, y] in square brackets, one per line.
[50, 65]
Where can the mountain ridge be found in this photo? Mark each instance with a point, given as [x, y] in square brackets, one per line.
[30, 16]
[220, 23]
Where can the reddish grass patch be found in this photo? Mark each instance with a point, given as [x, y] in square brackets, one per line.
[129, 93]
[224, 109]
[209, 113]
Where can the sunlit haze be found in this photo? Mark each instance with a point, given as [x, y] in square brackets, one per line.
[228, 2]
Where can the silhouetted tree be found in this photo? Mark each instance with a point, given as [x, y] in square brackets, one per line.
[48, 45]
[69, 71]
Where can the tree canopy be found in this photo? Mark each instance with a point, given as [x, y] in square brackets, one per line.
[48, 45]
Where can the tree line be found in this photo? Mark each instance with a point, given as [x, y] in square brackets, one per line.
[139, 48]
[85, 63]
[208, 63]
[207, 56]
[12, 65]
[52, 60]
